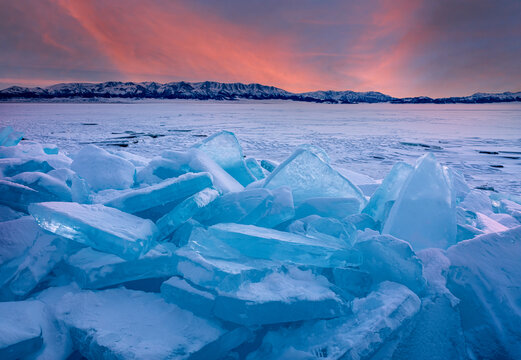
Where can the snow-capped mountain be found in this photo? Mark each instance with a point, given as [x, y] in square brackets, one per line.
[210, 90]
[476, 98]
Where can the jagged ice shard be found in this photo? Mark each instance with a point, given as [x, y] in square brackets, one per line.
[310, 177]
[225, 150]
[424, 213]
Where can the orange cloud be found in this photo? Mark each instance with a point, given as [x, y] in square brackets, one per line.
[147, 41]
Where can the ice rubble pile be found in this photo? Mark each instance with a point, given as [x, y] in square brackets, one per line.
[207, 254]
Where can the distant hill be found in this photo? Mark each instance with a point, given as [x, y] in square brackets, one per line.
[210, 90]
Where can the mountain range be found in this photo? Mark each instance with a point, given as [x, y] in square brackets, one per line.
[210, 90]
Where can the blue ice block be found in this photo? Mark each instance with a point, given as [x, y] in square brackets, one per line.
[94, 269]
[101, 227]
[218, 274]
[195, 160]
[280, 297]
[384, 197]
[51, 187]
[14, 166]
[163, 196]
[375, 321]
[233, 241]
[256, 206]
[388, 258]
[21, 275]
[18, 196]
[333, 230]
[103, 170]
[485, 275]
[255, 168]
[424, 213]
[178, 291]
[126, 324]
[20, 329]
[310, 177]
[225, 150]
[184, 211]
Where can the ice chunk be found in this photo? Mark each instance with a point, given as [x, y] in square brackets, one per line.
[375, 320]
[31, 333]
[159, 169]
[459, 185]
[477, 201]
[9, 137]
[94, 269]
[178, 291]
[512, 208]
[50, 149]
[310, 177]
[337, 208]
[187, 209]
[319, 228]
[255, 168]
[4, 133]
[20, 329]
[354, 281]
[18, 196]
[158, 199]
[181, 236]
[362, 221]
[280, 297]
[16, 237]
[252, 206]
[232, 241]
[126, 324]
[425, 212]
[103, 170]
[196, 160]
[268, 165]
[218, 274]
[388, 258]
[19, 276]
[436, 331]
[485, 276]
[103, 228]
[13, 166]
[225, 150]
[384, 197]
[317, 150]
[48, 186]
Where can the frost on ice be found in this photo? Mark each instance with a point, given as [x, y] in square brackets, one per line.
[208, 254]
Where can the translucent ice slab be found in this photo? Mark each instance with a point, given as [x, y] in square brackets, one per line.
[225, 150]
[252, 206]
[163, 196]
[376, 318]
[126, 324]
[384, 197]
[94, 269]
[424, 213]
[309, 177]
[101, 227]
[184, 211]
[280, 297]
[232, 241]
[102, 170]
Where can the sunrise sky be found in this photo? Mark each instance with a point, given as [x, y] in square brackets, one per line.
[402, 47]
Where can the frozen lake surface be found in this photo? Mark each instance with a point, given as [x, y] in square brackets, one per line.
[483, 141]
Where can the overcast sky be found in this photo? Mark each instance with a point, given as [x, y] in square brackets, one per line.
[402, 47]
